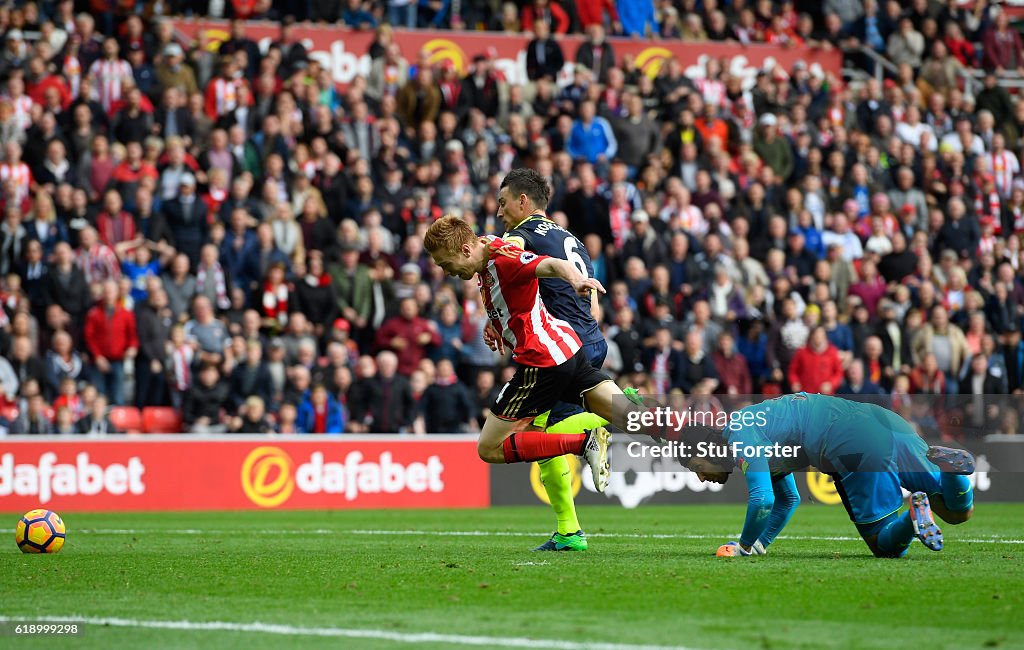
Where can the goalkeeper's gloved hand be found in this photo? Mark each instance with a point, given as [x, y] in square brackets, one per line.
[733, 549]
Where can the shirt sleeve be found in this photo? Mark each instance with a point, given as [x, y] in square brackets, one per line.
[515, 264]
[749, 447]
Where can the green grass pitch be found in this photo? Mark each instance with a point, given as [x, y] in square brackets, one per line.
[649, 578]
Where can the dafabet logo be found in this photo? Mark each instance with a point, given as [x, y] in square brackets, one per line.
[651, 60]
[267, 476]
[440, 50]
[270, 476]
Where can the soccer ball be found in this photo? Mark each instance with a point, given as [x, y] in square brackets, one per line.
[40, 531]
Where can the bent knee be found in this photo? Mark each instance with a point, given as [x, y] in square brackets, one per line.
[490, 454]
[955, 518]
[872, 543]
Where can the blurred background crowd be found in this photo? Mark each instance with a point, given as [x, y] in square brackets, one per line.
[228, 234]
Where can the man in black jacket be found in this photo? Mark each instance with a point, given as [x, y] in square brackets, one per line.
[153, 326]
[251, 378]
[446, 404]
[397, 406]
[544, 56]
[65, 286]
[205, 401]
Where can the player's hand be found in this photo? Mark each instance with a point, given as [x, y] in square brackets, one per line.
[732, 549]
[493, 340]
[584, 286]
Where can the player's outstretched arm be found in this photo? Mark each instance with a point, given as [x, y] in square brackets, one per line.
[550, 267]
[760, 502]
[787, 498]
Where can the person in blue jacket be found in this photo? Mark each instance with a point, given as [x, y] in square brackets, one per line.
[320, 412]
[591, 138]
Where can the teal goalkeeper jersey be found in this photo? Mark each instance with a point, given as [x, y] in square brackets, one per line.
[819, 428]
[792, 432]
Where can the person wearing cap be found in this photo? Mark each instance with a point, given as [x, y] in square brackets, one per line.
[14, 52]
[643, 241]
[772, 148]
[172, 73]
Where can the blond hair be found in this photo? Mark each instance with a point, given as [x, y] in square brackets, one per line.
[448, 234]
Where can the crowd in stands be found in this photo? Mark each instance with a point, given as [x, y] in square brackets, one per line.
[229, 233]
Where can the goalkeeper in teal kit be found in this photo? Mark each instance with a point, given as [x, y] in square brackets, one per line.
[869, 451]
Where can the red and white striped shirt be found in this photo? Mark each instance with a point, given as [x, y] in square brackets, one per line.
[221, 96]
[109, 75]
[20, 174]
[98, 264]
[22, 105]
[1004, 166]
[511, 294]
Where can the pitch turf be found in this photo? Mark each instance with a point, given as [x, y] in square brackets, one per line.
[649, 578]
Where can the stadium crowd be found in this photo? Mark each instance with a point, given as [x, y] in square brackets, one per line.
[230, 234]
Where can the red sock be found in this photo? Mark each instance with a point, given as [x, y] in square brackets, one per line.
[527, 446]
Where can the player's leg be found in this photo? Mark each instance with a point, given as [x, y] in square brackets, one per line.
[530, 392]
[555, 473]
[957, 495]
[940, 472]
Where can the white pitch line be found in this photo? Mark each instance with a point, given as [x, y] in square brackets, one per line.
[489, 533]
[350, 633]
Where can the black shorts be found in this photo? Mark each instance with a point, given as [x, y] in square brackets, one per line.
[533, 391]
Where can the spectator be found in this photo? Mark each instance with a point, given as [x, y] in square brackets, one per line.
[731, 367]
[548, 10]
[945, 342]
[252, 417]
[408, 335]
[1001, 46]
[544, 58]
[33, 420]
[111, 338]
[396, 406]
[186, 217]
[205, 402]
[596, 54]
[446, 405]
[592, 138]
[251, 377]
[320, 412]
[816, 368]
[856, 383]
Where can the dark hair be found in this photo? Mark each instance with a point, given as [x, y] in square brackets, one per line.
[527, 181]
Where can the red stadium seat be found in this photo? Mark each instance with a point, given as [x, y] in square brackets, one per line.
[126, 418]
[9, 413]
[161, 419]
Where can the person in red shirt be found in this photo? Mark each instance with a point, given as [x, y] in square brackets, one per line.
[816, 367]
[110, 337]
[549, 11]
[408, 335]
[40, 80]
[547, 353]
[115, 226]
[732, 368]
